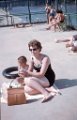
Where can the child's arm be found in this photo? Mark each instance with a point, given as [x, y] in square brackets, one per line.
[20, 73]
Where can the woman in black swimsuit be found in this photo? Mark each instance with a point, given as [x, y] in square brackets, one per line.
[40, 73]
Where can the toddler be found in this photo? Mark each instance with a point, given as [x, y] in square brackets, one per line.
[22, 67]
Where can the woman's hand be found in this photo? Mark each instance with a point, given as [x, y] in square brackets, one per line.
[23, 74]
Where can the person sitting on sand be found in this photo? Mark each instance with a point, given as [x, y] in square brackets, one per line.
[48, 9]
[40, 73]
[52, 14]
[55, 23]
[71, 42]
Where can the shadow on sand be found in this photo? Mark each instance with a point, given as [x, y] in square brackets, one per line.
[32, 100]
[65, 83]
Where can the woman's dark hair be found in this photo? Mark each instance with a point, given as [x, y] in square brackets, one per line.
[59, 11]
[22, 59]
[34, 43]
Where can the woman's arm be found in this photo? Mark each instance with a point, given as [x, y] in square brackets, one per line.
[45, 64]
[31, 66]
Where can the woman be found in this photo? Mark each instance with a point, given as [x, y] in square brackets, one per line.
[58, 19]
[40, 74]
[48, 9]
[52, 14]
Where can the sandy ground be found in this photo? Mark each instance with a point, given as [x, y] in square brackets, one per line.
[14, 43]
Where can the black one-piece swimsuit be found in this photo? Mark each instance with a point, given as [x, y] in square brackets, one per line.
[50, 75]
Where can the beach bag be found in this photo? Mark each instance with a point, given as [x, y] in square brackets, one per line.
[16, 96]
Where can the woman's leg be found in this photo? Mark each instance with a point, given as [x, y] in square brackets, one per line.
[61, 40]
[54, 24]
[30, 90]
[44, 82]
[51, 24]
[50, 19]
[52, 89]
[39, 85]
[68, 40]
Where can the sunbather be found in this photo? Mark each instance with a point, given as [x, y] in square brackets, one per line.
[71, 42]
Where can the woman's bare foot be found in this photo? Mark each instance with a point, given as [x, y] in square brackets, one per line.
[48, 97]
[50, 89]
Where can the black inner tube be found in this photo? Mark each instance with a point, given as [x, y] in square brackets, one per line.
[8, 72]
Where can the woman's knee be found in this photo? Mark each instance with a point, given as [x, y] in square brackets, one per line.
[28, 81]
[30, 91]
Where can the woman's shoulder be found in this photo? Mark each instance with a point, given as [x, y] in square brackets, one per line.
[45, 58]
